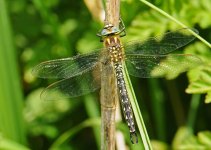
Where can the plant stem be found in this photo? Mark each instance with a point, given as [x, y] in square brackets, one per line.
[66, 136]
[195, 102]
[158, 107]
[92, 110]
[108, 100]
[109, 96]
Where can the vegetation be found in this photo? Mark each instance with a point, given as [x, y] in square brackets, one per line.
[175, 111]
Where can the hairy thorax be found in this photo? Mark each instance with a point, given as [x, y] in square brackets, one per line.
[115, 48]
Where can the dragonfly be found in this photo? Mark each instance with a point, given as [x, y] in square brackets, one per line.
[81, 74]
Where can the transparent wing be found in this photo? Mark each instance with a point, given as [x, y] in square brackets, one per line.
[67, 67]
[164, 44]
[146, 66]
[74, 86]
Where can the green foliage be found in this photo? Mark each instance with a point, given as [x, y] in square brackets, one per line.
[200, 77]
[152, 19]
[171, 63]
[7, 144]
[196, 12]
[66, 136]
[185, 140]
[39, 115]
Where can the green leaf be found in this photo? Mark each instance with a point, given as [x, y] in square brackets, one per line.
[11, 96]
[181, 134]
[202, 85]
[158, 145]
[170, 68]
[200, 14]
[7, 144]
[145, 25]
[49, 111]
[205, 138]
[185, 140]
[201, 50]
[40, 114]
[208, 97]
[200, 77]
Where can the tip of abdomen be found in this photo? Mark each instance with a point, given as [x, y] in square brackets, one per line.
[133, 137]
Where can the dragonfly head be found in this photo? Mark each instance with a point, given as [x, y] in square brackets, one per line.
[109, 29]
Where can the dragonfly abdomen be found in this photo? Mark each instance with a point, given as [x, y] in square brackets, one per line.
[123, 95]
[116, 51]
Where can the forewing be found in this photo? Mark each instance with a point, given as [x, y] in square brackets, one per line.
[67, 67]
[147, 66]
[74, 86]
[160, 45]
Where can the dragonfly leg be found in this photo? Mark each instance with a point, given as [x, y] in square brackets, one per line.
[122, 27]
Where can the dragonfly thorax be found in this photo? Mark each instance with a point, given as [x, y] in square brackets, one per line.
[115, 48]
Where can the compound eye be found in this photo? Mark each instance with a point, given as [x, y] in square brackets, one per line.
[110, 26]
[104, 32]
[115, 30]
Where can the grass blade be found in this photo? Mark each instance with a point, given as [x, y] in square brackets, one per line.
[11, 98]
[137, 112]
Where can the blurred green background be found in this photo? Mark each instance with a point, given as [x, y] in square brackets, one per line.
[35, 31]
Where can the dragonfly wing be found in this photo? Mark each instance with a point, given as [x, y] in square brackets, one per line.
[74, 86]
[146, 66]
[160, 45]
[67, 67]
